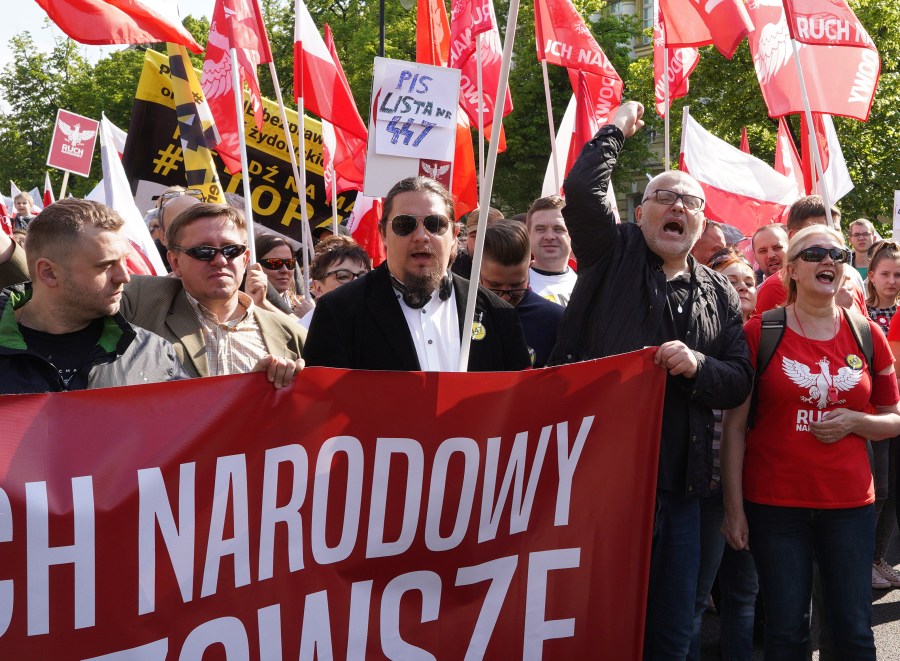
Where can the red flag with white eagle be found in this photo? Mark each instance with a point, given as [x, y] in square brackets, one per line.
[851, 72]
[677, 67]
[101, 22]
[319, 80]
[723, 23]
[237, 24]
[473, 26]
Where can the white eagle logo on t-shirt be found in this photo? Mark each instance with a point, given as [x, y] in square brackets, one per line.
[819, 384]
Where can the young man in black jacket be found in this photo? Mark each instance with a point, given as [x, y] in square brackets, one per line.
[638, 286]
[66, 333]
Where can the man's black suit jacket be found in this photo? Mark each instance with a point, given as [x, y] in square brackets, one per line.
[361, 326]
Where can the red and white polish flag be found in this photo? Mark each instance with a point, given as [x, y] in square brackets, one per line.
[740, 189]
[101, 22]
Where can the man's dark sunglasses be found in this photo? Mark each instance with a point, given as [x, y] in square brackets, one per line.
[208, 253]
[275, 264]
[817, 254]
[405, 224]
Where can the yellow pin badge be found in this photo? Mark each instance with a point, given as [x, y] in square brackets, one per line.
[854, 361]
[478, 330]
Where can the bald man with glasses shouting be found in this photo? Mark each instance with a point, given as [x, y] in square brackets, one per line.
[215, 328]
[408, 313]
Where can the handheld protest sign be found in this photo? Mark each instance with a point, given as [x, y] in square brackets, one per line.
[73, 142]
[412, 124]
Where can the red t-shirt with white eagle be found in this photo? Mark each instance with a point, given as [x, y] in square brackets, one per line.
[784, 464]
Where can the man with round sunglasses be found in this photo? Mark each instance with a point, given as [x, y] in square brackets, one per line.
[408, 313]
[638, 286]
[215, 328]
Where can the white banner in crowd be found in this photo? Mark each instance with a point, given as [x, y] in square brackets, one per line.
[412, 124]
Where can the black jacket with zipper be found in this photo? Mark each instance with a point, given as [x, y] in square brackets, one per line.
[620, 297]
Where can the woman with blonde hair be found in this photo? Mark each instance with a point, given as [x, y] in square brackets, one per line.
[797, 482]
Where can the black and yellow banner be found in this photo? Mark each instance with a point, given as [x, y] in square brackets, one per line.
[153, 156]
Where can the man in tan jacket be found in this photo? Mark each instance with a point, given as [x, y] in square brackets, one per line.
[215, 328]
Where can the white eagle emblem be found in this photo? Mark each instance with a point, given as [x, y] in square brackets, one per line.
[435, 171]
[820, 384]
[74, 135]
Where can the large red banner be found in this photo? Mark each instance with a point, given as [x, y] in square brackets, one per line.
[355, 515]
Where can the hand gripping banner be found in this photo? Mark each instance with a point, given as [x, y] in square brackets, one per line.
[451, 516]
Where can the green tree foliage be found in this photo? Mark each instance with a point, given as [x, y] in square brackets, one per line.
[724, 94]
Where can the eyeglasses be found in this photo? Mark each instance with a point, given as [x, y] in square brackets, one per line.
[514, 296]
[860, 235]
[344, 275]
[818, 253]
[406, 224]
[724, 256]
[667, 197]
[171, 195]
[275, 264]
[208, 253]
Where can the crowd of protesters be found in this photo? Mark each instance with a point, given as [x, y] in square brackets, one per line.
[774, 470]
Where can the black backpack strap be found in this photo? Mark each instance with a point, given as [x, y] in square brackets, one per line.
[862, 333]
[773, 324]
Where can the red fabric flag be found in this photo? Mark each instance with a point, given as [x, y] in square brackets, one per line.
[691, 23]
[432, 33]
[349, 157]
[787, 161]
[363, 226]
[852, 72]
[825, 23]
[238, 24]
[319, 80]
[834, 167]
[433, 47]
[585, 123]
[119, 22]
[483, 32]
[745, 141]
[563, 39]
[48, 191]
[679, 65]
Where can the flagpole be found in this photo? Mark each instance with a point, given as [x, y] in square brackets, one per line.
[550, 125]
[485, 193]
[334, 213]
[480, 86]
[245, 173]
[301, 189]
[814, 139]
[62, 190]
[667, 106]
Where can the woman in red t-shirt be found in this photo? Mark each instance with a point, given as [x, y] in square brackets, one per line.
[798, 484]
